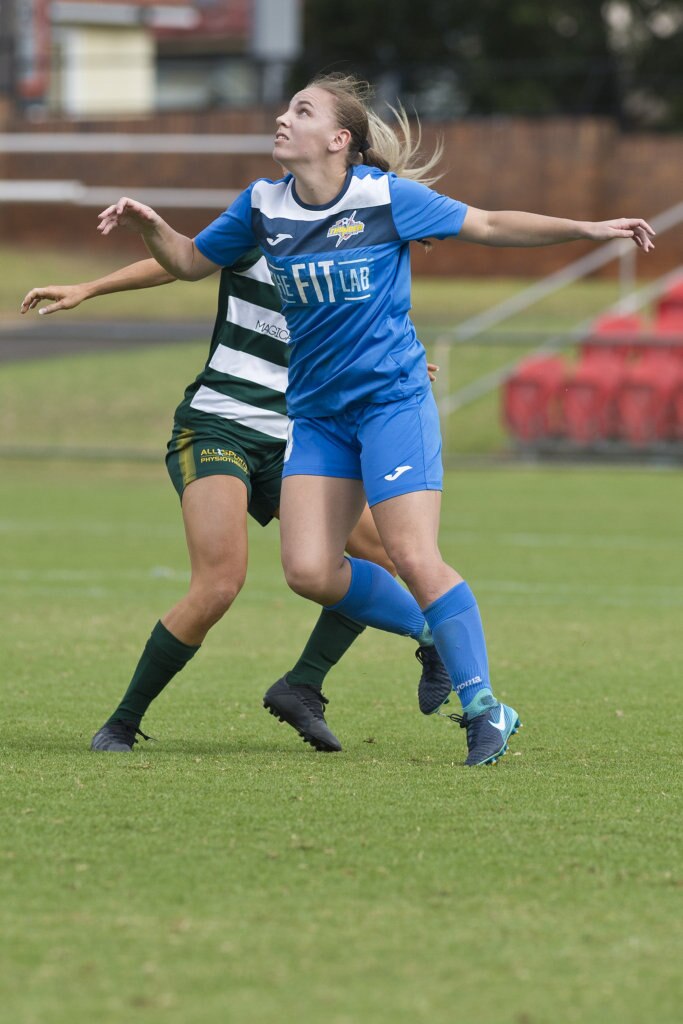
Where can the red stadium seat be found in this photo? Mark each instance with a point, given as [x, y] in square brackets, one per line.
[531, 409]
[671, 301]
[616, 334]
[669, 325]
[677, 413]
[645, 402]
[589, 397]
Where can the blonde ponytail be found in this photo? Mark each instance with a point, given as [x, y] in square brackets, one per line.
[373, 141]
[400, 154]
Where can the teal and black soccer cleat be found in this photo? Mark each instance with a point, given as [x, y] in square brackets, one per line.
[117, 736]
[435, 687]
[489, 726]
[302, 707]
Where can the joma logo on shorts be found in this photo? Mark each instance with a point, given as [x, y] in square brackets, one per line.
[281, 333]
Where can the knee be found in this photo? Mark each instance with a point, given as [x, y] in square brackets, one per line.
[212, 598]
[306, 579]
[372, 552]
[410, 565]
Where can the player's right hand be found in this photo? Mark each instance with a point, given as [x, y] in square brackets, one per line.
[127, 213]
[62, 296]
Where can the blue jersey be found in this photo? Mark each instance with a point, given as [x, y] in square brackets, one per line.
[343, 274]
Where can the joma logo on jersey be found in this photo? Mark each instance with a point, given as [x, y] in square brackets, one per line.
[345, 227]
[281, 333]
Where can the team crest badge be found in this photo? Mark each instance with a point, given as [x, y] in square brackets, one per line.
[345, 228]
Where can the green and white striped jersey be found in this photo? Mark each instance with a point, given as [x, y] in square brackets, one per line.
[240, 393]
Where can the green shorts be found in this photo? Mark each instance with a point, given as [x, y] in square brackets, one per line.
[192, 455]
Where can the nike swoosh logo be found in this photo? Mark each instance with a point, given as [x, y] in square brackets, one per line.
[277, 239]
[500, 724]
[397, 472]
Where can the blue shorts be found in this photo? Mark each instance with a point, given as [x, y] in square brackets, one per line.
[394, 448]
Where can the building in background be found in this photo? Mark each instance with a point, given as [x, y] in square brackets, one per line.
[103, 58]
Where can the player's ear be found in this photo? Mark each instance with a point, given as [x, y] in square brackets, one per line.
[340, 140]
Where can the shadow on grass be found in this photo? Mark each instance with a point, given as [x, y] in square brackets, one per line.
[45, 743]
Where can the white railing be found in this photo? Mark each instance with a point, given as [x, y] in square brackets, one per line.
[476, 326]
[450, 403]
[133, 142]
[75, 193]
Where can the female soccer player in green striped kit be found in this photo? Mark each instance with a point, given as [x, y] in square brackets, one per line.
[336, 231]
[225, 460]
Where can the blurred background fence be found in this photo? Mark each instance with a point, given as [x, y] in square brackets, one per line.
[52, 182]
[568, 108]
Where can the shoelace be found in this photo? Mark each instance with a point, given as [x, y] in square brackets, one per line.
[430, 659]
[425, 653]
[313, 699]
[465, 723]
[126, 731]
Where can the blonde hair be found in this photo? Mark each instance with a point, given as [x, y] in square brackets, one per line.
[373, 142]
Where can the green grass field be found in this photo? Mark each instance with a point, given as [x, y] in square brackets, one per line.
[438, 303]
[125, 403]
[227, 872]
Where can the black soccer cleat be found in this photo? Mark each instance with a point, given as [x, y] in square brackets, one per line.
[302, 707]
[435, 686]
[117, 736]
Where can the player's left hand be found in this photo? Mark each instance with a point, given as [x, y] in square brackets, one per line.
[625, 227]
[432, 370]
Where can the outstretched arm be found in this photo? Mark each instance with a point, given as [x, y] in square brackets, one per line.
[515, 228]
[175, 252]
[143, 274]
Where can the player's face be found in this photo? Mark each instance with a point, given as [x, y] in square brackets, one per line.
[308, 129]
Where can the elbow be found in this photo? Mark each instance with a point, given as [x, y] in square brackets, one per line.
[181, 261]
[198, 266]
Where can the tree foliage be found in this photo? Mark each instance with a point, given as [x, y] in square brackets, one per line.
[622, 58]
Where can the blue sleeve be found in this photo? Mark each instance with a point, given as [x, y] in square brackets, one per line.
[230, 234]
[420, 212]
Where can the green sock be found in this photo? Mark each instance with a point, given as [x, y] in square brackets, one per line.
[162, 658]
[331, 638]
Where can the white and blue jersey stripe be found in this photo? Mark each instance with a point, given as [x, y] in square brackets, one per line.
[343, 274]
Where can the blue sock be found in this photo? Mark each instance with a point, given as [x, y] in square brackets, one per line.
[455, 622]
[375, 598]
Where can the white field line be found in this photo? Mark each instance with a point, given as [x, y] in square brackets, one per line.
[104, 583]
[612, 541]
[639, 596]
[95, 528]
[157, 572]
[502, 592]
[595, 589]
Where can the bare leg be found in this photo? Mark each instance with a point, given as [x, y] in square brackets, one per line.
[408, 526]
[317, 515]
[364, 542]
[214, 511]
[215, 517]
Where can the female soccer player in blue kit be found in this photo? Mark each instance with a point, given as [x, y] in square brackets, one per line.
[335, 232]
